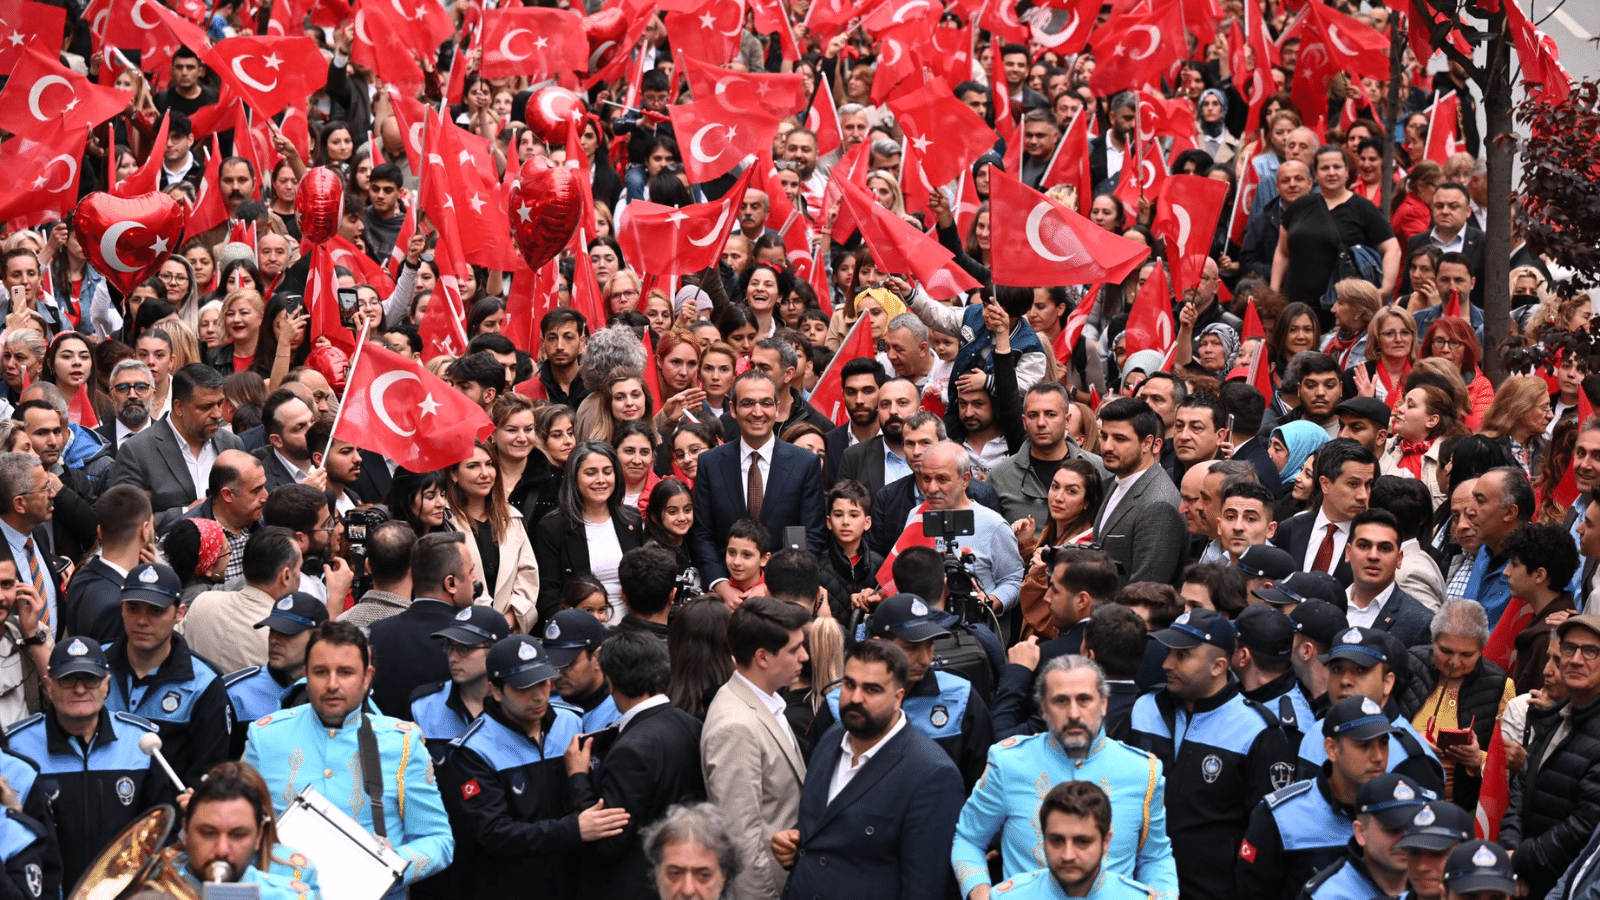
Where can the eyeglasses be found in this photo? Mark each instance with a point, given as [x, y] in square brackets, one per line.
[1447, 344]
[689, 453]
[1589, 652]
[625, 295]
[1393, 335]
[752, 403]
[170, 277]
[138, 387]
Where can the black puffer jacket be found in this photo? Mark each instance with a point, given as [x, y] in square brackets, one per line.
[1479, 698]
[1555, 806]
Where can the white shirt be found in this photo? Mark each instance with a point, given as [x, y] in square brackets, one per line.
[1366, 618]
[850, 764]
[774, 704]
[298, 474]
[1319, 533]
[1457, 243]
[605, 555]
[991, 454]
[653, 702]
[124, 432]
[1124, 484]
[199, 466]
[763, 456]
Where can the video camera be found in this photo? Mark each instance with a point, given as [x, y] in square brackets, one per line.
[960, 578]
[358, 525]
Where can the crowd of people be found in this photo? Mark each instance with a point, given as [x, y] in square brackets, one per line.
[1299, 605]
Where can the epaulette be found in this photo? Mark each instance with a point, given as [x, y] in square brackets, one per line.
[234, 678]
[282, 715]
[461, 738]
[136, 721]
[1141, 755]
[423, 690]
[1294, 790]
[18, 726]
[1016, 740]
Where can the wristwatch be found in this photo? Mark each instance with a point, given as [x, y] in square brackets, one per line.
[35, 641]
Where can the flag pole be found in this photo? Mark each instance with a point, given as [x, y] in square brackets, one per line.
[361, 341]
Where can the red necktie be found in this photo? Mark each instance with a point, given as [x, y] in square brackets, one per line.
[1325, 552]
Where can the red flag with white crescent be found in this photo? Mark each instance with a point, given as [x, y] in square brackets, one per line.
[1150, 322]
[912, 536]
[395, 407]
[1049, 244]
[828, 397]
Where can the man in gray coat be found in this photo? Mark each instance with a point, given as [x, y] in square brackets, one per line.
[172, 460]
[1138, 525]
[1023, 479]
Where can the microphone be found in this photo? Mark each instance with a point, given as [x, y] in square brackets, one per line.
[219, 870]
[151, 745]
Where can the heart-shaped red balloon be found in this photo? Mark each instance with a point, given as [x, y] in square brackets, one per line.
[128, 238]
[551, 111]
[319, 202]
[546, 205]
[605, 31]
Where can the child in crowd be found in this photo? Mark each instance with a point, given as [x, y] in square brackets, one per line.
[749, 548]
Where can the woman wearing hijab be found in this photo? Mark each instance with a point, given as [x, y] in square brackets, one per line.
[1214, 136]
[1292, 443]
[1214, 353]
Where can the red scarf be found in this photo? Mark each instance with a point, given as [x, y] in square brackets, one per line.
[1391, 386]
[1339, 347]
[1411, 453]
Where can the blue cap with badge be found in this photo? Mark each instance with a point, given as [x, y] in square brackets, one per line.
[520, 661]
[1196, 627]
[78, 657]
[477, 624]
[907, 617]
[152, 583]
[296, 612]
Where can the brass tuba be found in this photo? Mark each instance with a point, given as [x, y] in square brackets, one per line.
[135, 860]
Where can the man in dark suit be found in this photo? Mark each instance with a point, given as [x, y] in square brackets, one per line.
[1139, 524]
[372, 486]
[94, 597]
[860, 379]
[757, 477]
[132, 386]
[653, 764]
[404, 651]
[892, 504]
[1374, 599]
[882, 460]
[1452, 230]
[26, 504]
[286, 417]
[1246, 405]
[879, 807]
[1119, 137]
[1316, 538]
[172, 462]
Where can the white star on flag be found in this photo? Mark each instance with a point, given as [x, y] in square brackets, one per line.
[428, 405]
[478, 203]
[922, 144]
[708, 21]
[524, 212]
[17, 38]
[160, 246]
[273, 61]
[677, 217]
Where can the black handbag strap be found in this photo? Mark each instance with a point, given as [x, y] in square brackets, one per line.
[372, 773]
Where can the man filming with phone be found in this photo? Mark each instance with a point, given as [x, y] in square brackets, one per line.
[997, 565]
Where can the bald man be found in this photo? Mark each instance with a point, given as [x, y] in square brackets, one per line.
[234, 498]
[997, 566]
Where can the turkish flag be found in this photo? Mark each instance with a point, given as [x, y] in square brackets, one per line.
[532, 41]
[1252, 322]
[1145, 177]
[772, 16]
[1160, 117]
[269, 73]
[890, 14]
[409, 114]
[218, 117]
[39, 175]
[526, 304]
[1132, 51]
[1494, 798]
[931, 115]
[948, 53]
[1005, 119]
[1444, 132]
[42, 92]
[365, 268]
[1062, 26]
[1186, 219]
[209, 208]
[153, 30]
[1541, 61]
[1332, 43]
[460, 183]
[1070, 163]
[147, 177]
[322, 301]
[24, 23]
[912, 536]
[851, 167]
[745, 93]
[828, 396]
[899, 59]
[1067, 337]
[664, 240]
[1049, 244]
[395, 407]
[827, 18]
[587, 297]
[443, 327]
[1150, 322]
[717, 135]
[822, 118]
[901, 249]
[384, 43]
[712, 34]
[1249, 182]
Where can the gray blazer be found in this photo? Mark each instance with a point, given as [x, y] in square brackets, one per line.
[152, 460]
[1145, 534]
[864, 463]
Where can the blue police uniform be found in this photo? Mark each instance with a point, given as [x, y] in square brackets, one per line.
[1041, 885]
[1346, 879]
[438, 711]
[289, 876]
[22, 775]
[1220, 760]
[1287, 699]
[94, 789]
[1409, 754]
[255, 692]
[185, 699]
[1294, 833]
[602, 715]
[1022, 770]
[510, 801]
[942, 706]
[292, 748]
[24, 847]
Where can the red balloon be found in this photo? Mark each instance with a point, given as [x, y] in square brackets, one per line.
[128, 238]
[551, 111]
[319, 203]
[546, 205]
[605, 31]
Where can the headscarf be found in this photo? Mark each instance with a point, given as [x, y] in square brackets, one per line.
[1303, 439]
[213, 543]
[1230, 342]
[892, 305]
[1214, 129]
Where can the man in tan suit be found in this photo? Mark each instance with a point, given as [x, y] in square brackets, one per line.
[221, 625]
[753, 767]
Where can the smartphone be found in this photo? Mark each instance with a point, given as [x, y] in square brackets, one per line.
[603, 739]
[348, 299]
[19, 298]
[794, 537]
[1230, 425]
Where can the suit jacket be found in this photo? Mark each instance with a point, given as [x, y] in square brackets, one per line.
[1254, 452]
[375, 481]
[896, 500]
[107, 431]
[753, 773]
[1145, 534]
[407, 656]
[278, 474]
[792, 496]
[1471, 244]
[93, 607]
[153, 461]
[887, 834]
[44, 540]
[1406, 618]
[864, 463]
[654, 764]
[1294, 535]
[836, 444]
[562, 549]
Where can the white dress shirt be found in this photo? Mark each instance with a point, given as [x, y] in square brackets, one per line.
[763, 455]
[1124, 485]
[774, 704]
[641, 706]
[1365, 618]
[199, 466]
[850, 764]
[298, 474]
[1319, 533]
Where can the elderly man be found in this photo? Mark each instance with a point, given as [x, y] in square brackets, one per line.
[946, 471]
[132, 386]
[1501, 500]
[1261, 235]
[693, 852]
[753, 213]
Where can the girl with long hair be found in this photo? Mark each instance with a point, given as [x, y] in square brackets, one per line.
[496, 538]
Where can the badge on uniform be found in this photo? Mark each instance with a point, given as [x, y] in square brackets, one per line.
[1353, 636]
[1210, 768]
[35, 877]
[170, 701]
[552, 631]
[470, 789]
[940, 717]
[526, 651]
[1282, 775]
[149, 576]
[1484, 858]
[286, 603]
[77, 648]
[125, 790]
[1424, 818]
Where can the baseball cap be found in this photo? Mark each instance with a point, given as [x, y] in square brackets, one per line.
[520, 661]
[1588, 622]
[1366, 647]
[1479, 866]
[1298, 587]
[295, 613]
[1357, 718]
[477, 624]
[569, 633]
[907, 617]
[152, 583]
[1367, 408]
[78, 656]
[1319, 620]
[1392, 799]
[1266, 561]
[1196, 627]
[1265, 631]
[1438, 826]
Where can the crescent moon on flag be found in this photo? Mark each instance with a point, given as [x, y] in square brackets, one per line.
[1147, 173]
[709, 236]
[901, 13]
[242, 75]
[72, 172]
[98, 25]
[138, 19]
[1335, 40]
[1155, 41]
[404, 15]
[898, 51]
[738, 20]
[1164, 330]
[594, 58]
[108, 246]
[697, 150]
[547, 105]
[1031, 230]
[1144, 135]
[38, 89]
[380, 386]
[505, 45]
[1184, 227]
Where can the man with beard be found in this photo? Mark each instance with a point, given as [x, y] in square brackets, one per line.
[1138, 524]
[227, 821]
[173, 463]
[892, 504]
[880, 801]
[257, 691]
[1373, 866]
[1071, 691]
[882, 459]
[980, 413]
[342, 463]
[1023, 479]
[286, 457]
[1075, 821]
[861, 379]
[564, 334]
[132, 386]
